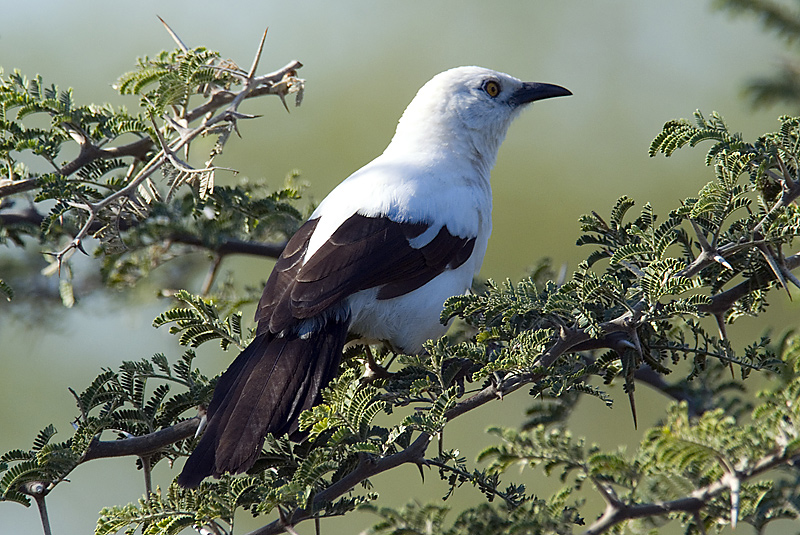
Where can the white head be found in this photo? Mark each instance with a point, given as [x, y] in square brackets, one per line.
[467, 109]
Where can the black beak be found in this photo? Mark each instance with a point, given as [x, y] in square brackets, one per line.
[531, 91]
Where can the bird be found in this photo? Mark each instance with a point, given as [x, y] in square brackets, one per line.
[376, 260]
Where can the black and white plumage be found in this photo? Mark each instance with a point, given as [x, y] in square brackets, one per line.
[377, 259]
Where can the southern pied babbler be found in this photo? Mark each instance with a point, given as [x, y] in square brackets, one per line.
[377, 259]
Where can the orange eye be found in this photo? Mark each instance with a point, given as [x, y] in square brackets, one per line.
[492, 88]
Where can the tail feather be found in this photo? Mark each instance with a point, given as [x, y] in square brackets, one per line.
[264, 391]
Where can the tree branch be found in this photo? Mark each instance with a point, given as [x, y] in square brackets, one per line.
[723, 301]
[617, 512]
[223, 247]
[142, 445]
[367, 467]
[18, 186]
[231, 246]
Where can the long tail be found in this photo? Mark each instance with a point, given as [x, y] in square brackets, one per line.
[264, 391]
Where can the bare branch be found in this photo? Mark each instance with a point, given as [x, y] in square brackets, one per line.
[142, 445]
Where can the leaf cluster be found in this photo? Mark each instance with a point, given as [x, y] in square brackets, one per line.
[132, 402]
[713, 458]
[557, 515]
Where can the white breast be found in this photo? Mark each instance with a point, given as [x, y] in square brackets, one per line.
[419, 189]
[406, 322]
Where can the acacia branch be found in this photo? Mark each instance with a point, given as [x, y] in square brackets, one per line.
[617, 512]
[89, 152]
[222, 247]
[723, 301]
[142, 445]
[367, 467]
[230, 246]
[370, 466]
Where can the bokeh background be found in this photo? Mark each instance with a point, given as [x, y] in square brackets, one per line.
[632, 65]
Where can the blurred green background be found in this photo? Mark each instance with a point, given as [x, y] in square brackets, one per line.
[632, 65]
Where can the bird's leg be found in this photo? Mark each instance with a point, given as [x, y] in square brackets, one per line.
[373, 370]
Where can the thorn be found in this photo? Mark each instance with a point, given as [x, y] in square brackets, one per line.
[787, 176]
[562, 275]
[776, 268]
[790, 276]
[600, 219]
[256, 59]
[79, 245]
[240, 115]
[629, 380]
[421, 472]
[201, 425]
[174, 35]
[721, 260]
[701, 237]
[626, 344]
[723, 332]
[283, 101]
[632, 402]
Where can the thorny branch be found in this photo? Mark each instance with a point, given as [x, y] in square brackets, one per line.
[264, 84]
[617, 511]
[220, 107]
[223, 247]
[142, 445]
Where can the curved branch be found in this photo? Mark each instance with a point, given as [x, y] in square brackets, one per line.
[232, 246]
[367, 467]
[617, 512]
[142, 445]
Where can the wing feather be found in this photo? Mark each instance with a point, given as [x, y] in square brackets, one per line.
[363, 253]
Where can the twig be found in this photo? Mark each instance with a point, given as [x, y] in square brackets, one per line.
[211, 275]
[148, 476]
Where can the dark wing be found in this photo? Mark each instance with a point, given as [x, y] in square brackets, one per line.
[364, 252]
